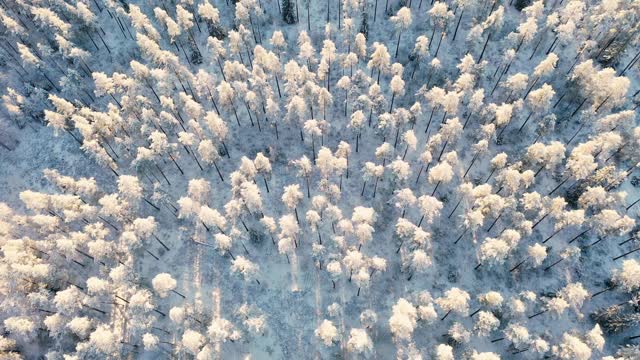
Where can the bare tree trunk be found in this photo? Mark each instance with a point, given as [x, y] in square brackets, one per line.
[218, 170]
[484, 47]
[455, 33]
[625, 254]
[375, 10]
[375, 187]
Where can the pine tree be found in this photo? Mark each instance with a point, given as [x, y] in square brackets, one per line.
[289, 12]
[364, 25]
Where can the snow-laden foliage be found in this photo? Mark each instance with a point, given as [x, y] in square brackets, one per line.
[330, 179]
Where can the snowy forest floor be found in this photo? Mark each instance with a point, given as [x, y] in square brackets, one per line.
[292, 316]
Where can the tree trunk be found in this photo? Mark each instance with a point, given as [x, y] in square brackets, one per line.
[539, 313]
[558, 186]
[461, 235]
[393, 96]
[161, 243]
[398, 44]
[196, 159]
[278, 85]
[577, 109]
[632, 204]
[525, 122]
[218, 171]
[419, 173]
[433, 109]
[495, 221]
[517, 266]
[375, 187]
[455, 208]
[328, 3]
[436, 188]
[439, 43]
[554, 264]
[625, 254]
[308, 16]
[152, 255]
[470, 165]
[539, 221]
[235, 113]
[578, 236]
[484, 48]
[552, 235]
[375, 10]
[457, 25]
[178, 166]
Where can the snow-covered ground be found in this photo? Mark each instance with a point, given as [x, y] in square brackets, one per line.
[431, 130]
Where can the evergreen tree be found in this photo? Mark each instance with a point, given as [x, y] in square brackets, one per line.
[288, 12]
[364, 25]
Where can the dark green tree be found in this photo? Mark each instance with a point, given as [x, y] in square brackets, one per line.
[288, 12]
[364, 25]
[521, 4]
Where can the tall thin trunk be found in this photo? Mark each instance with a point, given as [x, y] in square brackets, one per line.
[484, 47]
[625, 254]
[375, 187]
[455, 33]
[439, 43]
[461, 235]
[266, 185]
[632, 204]
[196, 159]
[393, 97]
[308, 16]
[236, 114]
[278, 85]
[218, 171]
[328, 4]
[517, 266]
[537, 314]
[525, 122]
[470, 165]
[554, 264]
[176, 163]
[435, 188]
[558, 186]
[329, 76]
[552, 235]
[375, 11]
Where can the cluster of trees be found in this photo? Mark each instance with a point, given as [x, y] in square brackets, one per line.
[382, 164]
